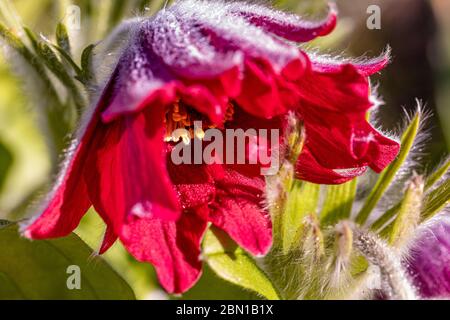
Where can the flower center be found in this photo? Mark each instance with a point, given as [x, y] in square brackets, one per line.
[181, 116]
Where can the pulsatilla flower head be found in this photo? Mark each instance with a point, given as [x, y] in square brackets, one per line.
[430, 258]
[230, 65]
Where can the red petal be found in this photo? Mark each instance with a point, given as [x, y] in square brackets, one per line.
[261, 149]
[308, 169]
[197, 95]
[144, 78]
[172, 247]
[265, 93]
[365, 67]
[194, 184]
[338, 135]
[341, 90]
[288, 26]
[69, 201]
[201, 98]
[127, 162]
[180, 44]
[109, 239]
[66, 207]
[340, 141]
[380, 150]
[238, 210]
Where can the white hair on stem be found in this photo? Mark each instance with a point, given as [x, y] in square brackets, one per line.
[395, 281]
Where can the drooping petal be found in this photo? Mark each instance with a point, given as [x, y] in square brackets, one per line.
[179, 42]
[172, 247]
[371, 146]
[231, 34]
[69, 200]
[268, 64]
[199, 53]
[139, 76]
[338, 136]
[265, 93]
[109, 239]
[285, 25]
[67, 204]
[366, 67]
[345, 141]
[202, 100]
[143, 79]
[126, 172]
[308, 168]
[342, 90]
[238, 210]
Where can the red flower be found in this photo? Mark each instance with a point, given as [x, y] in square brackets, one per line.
[227, 65]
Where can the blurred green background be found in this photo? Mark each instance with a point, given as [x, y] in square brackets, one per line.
[418, 31]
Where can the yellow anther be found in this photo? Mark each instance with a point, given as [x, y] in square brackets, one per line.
[186, 138]
[199, 133]
[180, 116]
[182, 134]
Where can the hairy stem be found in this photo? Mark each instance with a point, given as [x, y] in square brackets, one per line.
[394, 280]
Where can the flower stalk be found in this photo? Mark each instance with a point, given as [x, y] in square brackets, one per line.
[395, 282]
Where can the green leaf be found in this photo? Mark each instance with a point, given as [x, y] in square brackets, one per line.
[212, 287]
[55, 113]
[388, 215]
[57, 68]
[39, 269]
[437, 175]
[64, 49]
[436, 200]
[86, 74]
[34, 42]
[69, 59]
[62, 38]
[86, 57]
[389, 173]
[433, 203]
[301, 201]
[9, 289]
[231, 263]
[338, 202]
[51, 61]
[430, 182]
